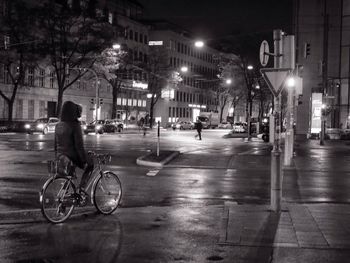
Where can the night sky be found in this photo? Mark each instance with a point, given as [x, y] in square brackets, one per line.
[225, 22]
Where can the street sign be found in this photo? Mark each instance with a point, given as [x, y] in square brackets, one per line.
[264, 53]
[155, 43]
[275, 78]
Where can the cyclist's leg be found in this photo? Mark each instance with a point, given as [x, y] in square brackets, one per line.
[87, 173]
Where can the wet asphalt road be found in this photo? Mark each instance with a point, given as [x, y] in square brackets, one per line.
[179, 205]
[209, 171]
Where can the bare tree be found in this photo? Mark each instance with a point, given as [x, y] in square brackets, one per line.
[19, 54]
[112, 66]
[72, 36]
[159, 75]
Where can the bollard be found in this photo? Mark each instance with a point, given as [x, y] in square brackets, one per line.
[158, 135]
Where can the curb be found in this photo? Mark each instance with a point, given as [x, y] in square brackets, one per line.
[141, 160]
[35, 215]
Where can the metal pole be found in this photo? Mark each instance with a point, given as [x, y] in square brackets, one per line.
[324, 70]
[289, 62]
[288, 145]
[276, 168]
[158, 135]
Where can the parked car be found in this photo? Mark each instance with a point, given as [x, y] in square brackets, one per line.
[44, 125]
[100, 126]
[225, 125]
[239, 127]
[183, 125]
[83, 125]
[117, 123]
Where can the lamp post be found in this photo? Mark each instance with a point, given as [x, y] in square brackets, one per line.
[249, 104]
[323, 123]
[289, 138]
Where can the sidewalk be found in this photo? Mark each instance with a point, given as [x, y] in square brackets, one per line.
[324, 226]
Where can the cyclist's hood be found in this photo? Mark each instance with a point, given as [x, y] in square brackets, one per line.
[70, 111]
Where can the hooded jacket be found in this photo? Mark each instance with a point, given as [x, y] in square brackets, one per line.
[68, 134]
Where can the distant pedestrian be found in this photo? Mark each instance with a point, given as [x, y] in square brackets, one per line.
[199, 127]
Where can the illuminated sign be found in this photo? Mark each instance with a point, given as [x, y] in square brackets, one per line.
[140, 85]
[155, 43]
[316, 112]
[197, 106]
[168, 93]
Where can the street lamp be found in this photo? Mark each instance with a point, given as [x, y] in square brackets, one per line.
[199, 44]
[116, 46]
[290, 82]
[228, 81]
[184, 69]
[250, 67]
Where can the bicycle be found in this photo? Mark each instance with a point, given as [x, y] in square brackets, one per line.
[59, 194]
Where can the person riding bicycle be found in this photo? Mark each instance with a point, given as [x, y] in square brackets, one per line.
[69, 141]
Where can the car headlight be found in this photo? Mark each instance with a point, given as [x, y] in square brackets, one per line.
[98, 127]
[40, 126]
[27, 126]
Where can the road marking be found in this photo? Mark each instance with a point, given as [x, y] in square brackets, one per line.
[153, 172]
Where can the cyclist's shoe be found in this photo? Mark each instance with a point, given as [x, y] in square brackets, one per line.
[83, 197]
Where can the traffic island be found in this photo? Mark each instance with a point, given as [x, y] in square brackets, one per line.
[154, 160]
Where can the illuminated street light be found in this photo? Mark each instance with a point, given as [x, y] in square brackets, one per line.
[290, 82]
[199, 44]
[184, 69]
[257, 86]
[228, 81]
[116, 46]
[250, 67]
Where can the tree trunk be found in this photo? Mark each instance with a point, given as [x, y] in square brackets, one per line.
[115, 92]
[59, 102]
[151, 113]
[10, 104]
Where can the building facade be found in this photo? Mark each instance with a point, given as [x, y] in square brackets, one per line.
[322, 38]
[194, 94]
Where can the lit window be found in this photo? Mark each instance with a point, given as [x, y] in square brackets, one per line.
[110, 18]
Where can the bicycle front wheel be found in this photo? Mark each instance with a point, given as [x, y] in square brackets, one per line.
[57, 199]
[107, 193]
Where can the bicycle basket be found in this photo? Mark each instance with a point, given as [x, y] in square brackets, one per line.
[52, 166]
[62, 166]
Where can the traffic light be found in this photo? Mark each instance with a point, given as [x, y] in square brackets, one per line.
[101, 101]
[307, 50]
[6, 42]
[92, 101]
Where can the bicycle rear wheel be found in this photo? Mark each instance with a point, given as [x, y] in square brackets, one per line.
[57, 199]
[107, 193]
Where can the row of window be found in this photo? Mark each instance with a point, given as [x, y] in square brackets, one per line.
[19, 108]
[176, 112]
[178, 63]
[138, 37]
[131, 102]
[38, 78]
[194, 98]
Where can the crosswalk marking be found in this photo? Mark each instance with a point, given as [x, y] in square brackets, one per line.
[153, 172]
